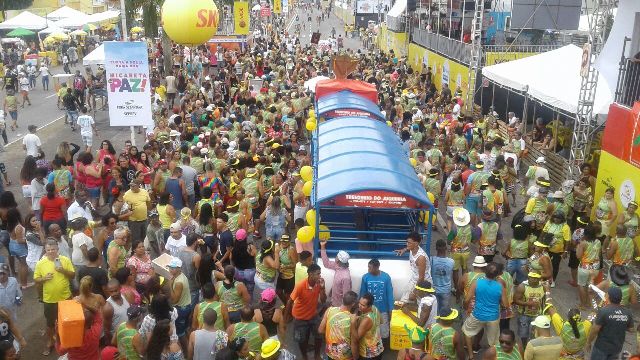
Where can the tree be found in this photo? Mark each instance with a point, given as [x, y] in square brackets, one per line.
[150, 14]
[13, 5]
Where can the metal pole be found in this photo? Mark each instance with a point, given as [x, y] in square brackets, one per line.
[450, 8]
[125, 37]
[464, 8]
[438, 25]
[493, 95]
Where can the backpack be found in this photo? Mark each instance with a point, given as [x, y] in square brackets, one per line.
[78, 83]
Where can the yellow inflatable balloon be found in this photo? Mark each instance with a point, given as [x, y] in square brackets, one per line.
[306, 173]
[311, 217]
[190, 22]
[311, 125]
[324, 236]
[306, 188]
[413, 162]
[305, 234]
[312, 113]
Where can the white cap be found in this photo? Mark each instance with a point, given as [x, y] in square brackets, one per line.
[174, 263]
[343, 257]
[540, 160]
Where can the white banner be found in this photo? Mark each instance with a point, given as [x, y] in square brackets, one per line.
[372, 6]
[285, 6]
[128, 83]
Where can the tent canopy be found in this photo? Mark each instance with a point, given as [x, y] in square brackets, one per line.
[25, 20]
[348, 101]
[357, 155]
[366, 90]
[103, 16]
[64, 13]
[398, 8]
[96, 57]
[73, 22]
[552, 78]
[52, 29]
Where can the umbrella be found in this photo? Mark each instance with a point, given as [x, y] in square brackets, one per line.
[49, 40]
[137, 29]
[89, 27]
[311, 83]
[20, 32]
[79, 32]
[256, 7]
[59, 36]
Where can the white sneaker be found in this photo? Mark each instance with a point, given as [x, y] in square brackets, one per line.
[553, 284]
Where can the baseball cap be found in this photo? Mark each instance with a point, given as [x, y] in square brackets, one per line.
[542, 321]
[268, 295]
[241, 234]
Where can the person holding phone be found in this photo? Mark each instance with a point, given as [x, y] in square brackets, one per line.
[54, 272]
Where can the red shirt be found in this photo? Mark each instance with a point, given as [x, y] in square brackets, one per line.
[90, 349]
[305, 300]
[52, 208]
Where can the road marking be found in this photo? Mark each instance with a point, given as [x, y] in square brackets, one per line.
[50, 96]
[20, 136]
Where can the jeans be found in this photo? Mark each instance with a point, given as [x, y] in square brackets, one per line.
[514, 266]
[597, 354]
[246, 277]
[443, 301]
[73, 116]
[45, 82]
[274, 232]
[32, 81]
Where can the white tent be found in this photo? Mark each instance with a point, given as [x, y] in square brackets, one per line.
[64, 12]
[52, 29]
[96, 57]
[553, 78]
[105, 15]
[25, 20]
[73, 22]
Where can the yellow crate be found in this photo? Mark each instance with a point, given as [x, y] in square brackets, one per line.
[399, 337]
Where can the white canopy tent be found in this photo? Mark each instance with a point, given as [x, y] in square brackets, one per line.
[96, 57]
[103, 16]
[73, 22]
[53, 29]
[25, 20]
[65, 12]
[553, 78]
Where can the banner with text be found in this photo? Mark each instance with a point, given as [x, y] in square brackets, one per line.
[277, 7]
[241, 17]
[128, 85]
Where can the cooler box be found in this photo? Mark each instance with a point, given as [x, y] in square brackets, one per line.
[160, 265]
[399, 337]
[70, 323]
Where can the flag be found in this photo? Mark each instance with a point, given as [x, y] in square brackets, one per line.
[241, 17]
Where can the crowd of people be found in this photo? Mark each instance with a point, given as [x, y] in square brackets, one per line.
[186, 246]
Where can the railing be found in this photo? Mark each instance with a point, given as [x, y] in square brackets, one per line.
[628, 88]
[443, 45]
[520, 48]
[397, 24]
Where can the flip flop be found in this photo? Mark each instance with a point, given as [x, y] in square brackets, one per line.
[46, 351]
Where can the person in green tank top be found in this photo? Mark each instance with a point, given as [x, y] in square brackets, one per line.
[432, 184]
[232, 293]
[116, 252]
[368, 330]
[619, 277]
[209, 302]
[339, 328]
[162, 174]
[286, 271]
[236, 219]
[517, 253]
[254, 332]
[445, 342]
[529, 297]
[127, 338]
[573, 332]
[505, 349]
[621, 249]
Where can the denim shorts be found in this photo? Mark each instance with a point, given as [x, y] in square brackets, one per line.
[515, 266]
[17, 250]
[182, 320]
[303, 329]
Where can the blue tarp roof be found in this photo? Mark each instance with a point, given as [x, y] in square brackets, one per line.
[358, 154]
[347, 100]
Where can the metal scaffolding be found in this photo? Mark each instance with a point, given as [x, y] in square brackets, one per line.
[585, 120]
[476, 55]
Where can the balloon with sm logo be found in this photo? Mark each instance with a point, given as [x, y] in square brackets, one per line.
[190, 22]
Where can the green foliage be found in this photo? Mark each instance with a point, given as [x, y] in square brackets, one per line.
[14, 4]
[150, 14]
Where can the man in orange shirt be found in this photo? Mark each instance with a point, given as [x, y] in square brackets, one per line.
[303, 306]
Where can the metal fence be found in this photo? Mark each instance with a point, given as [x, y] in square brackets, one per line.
[396, 23]
[443, 45]
[628, 88]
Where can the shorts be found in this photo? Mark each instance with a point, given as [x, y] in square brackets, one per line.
[17, 250]
[234, 317]
[473, 326]
[524, 325]
[51, 314]
[516, 267]
[303, 329]
[182, 320]
[384, 325]
[286, 285]
[13, 114]
[574, 262]
[255, 213]
[473, 205]
[460, 260]
[586, 276]
[87, 140]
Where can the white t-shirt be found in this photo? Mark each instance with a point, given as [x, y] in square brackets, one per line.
[79, 239]
[32, 143]
[44, 71]
[173, 246]
[86, 125]
[429, 301]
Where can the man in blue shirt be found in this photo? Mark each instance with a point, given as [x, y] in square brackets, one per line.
[441, 273]
[378, 283]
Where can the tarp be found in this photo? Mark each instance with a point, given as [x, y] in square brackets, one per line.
[346, 103]
[366, 90]
[26, 20]
[361, 161]
[96, 57]
[553, 78]
[64, 13]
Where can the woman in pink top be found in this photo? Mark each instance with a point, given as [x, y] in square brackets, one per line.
[93, 176]
[140, 263]
[126, 278]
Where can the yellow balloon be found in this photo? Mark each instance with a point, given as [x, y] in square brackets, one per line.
[311, 125]
[305, 234]
[324, 236]
[389, 123]
[306, 173]
[413, 162]
[312, 113]
[311, 217]
[190, 22]
[306, 188]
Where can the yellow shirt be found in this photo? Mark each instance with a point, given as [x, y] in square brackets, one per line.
[138, 204]
[563, 236]
[162, 92]
[56, 289]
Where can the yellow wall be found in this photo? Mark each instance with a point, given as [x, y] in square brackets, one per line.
[43, 7]
[500, 57]
[619, 174]
[388, 40]
[457, 74]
